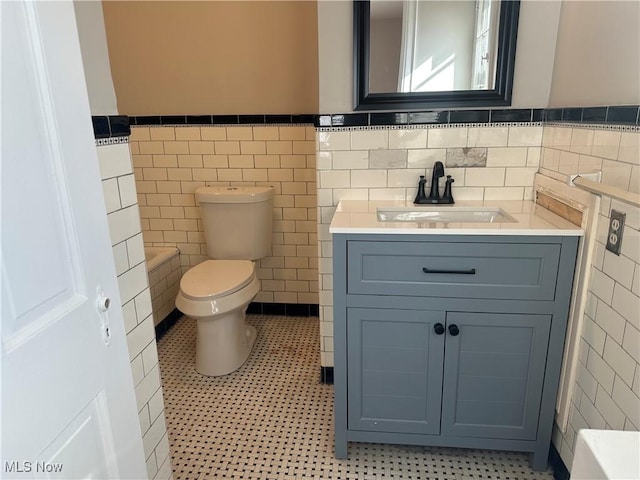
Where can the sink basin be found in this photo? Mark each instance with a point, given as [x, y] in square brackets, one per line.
[445, 215]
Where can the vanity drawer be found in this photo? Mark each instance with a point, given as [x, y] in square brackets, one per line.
[516, 271]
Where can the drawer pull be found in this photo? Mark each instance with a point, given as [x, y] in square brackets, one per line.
[438, 328]
[471, 271]
[454, 330]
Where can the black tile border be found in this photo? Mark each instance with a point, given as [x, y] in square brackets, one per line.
[255, 119]
[628, 115]
[470, 116]
[382, 118]
[326, 375]
[287, 309]
[571, 114]
[107, 126]
[420, 118]
[101, 128]
[552, 115]
[167, 322]
[560, 471]
[350, 120]
[608, 115]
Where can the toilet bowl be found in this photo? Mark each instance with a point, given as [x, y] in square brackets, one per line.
[238, 226]
[216, 294]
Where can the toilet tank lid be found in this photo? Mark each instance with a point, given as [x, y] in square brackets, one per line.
[240, 194]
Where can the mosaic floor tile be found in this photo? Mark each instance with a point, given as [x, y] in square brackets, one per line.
[272, 419]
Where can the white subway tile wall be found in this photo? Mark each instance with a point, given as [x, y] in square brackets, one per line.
[126, 237]
[607, 393]
[373, 164]
[171, 162]
[608, 385]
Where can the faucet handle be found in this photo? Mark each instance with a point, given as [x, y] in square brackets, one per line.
[447, 196]
[421, 197]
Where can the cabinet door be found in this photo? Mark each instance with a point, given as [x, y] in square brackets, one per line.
[394, 365]
[494, 370]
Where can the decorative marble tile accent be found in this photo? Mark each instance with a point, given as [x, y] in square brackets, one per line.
[466, 157]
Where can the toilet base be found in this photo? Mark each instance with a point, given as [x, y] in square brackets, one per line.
[223, 344]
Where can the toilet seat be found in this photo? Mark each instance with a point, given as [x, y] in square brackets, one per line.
[216, 287]
[213, 279]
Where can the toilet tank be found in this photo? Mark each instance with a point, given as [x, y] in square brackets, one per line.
[237, 221]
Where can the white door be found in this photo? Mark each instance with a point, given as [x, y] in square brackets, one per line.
[68, 405]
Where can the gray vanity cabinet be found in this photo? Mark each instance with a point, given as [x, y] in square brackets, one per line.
[494, 368]
[449, 340]
[395, 362]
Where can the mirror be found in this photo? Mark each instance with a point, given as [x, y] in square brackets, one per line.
[416, 54]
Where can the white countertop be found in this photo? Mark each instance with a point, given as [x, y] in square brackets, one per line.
[360, 216]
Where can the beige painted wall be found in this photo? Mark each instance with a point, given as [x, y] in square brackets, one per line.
[335, 56]
[534, 57]
[95, 58]
[598, 54]
[535, 52]
[213, 57]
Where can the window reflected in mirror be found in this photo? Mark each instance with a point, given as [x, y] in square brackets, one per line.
[433, 45]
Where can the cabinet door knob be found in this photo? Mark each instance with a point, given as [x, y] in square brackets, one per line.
[453, 330]
[438, 328]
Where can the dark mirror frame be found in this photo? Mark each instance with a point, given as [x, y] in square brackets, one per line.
[499, 96]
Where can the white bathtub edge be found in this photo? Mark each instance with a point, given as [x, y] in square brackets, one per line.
[160, 255]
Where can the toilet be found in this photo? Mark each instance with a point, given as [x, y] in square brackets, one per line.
[238, 225]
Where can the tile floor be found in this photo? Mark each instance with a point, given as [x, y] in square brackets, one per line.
[272, 419]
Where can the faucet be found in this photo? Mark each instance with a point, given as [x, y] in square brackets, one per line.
[434, 193]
